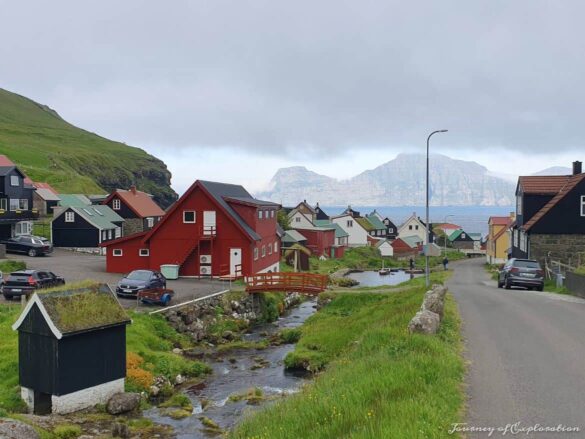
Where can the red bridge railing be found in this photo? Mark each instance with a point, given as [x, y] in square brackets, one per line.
[306, 283]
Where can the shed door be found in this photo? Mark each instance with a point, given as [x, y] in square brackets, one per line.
[209, 227]
[42, 404]
[235, 261]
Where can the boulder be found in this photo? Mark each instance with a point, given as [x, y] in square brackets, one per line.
[424, 322]
[434, 302]
[179, 379]
[440, 290]
[11, 429]
[123, 403]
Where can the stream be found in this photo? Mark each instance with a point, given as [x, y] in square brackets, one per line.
[234, 373]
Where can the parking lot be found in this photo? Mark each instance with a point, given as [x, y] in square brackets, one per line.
[75, 266]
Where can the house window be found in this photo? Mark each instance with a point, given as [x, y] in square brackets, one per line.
[463, 235]
[14, 204]
[263, 251]
[390, 230]
[150, 222]
[189, 216]
[582, 205]
[116, 205]
[117, 232]
[269, 249]
[117, 252]
[349, 223]
[143, 252]
[256, 254]
[518, 204]
[410, 227]
[23, 204]
[69, 217]
[415, 227]
[276, 247]
[272, 214]
[14, 180]
[260, 212]
[110, 234]
[298, 219]
[4, 203]
[104, 235]
[23, 228]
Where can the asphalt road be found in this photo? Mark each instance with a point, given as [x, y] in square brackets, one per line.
[526, 352]
[80, 266]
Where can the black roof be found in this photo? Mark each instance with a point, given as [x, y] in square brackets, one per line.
[254, 201]
[221, 191]
[5, 170]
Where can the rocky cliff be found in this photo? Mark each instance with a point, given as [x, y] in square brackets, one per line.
[399, 182]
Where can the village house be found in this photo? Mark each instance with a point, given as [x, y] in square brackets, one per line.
[341, 236]
[358, 236]
[379, 230]
[498, 239]
[138, 209]
[292, 237]
[214, 229]
[45, 199]
[391, 229]
[17, 212]
[461, 240]
[70, 356]
[85, 227]
[403, 250]
[385, 248]
[550, 217]
[320, 214]
[73, 200]
[320, 240]
[299, 218]
[413, 226]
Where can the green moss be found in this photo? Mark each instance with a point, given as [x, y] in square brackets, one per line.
[290, 335]
[178, 400]
[210, 424]
[179, 414]
[67, 431]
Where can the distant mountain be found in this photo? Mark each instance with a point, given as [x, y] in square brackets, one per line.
[73, 160]
[555, 170]
[399, 182]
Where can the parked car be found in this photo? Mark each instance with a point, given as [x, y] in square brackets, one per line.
[27, 244]
[25, 282]
[140, 280]
[521, 273]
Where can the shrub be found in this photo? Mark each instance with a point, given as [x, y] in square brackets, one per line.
[290, 335]
[9, 266]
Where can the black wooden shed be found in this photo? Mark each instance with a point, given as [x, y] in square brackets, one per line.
[72, 349]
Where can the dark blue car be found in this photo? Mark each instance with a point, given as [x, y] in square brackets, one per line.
[140, 280]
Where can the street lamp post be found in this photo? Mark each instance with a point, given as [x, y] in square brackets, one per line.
[428, 234]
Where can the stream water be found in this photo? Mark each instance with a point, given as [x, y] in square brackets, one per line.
[235, 373]
[374, 279]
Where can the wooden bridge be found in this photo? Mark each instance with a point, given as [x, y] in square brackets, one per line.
[303, 283]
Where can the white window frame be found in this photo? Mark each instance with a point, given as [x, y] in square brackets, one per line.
[256, 253]
[117, 232]
[298, 219]
[150, 222]
[349, 223]
[69, 217]
[4, 204]
[276, 247]
[143, 252]
[14, 203]
[23, 204]
[194, 217]
[518, 204]
[260, 214]
[12, 180]
[390, 230]
[109, 234]
[269, 249]
[116, 204]
[104, 235]
[272, 214]
[582, 205]
[117, 252]
[263, 251]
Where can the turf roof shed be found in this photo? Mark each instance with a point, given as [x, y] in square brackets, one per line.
[72, 349]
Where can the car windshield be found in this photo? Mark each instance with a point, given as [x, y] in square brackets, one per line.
[526, 264]
[139, 275]
[37, 241]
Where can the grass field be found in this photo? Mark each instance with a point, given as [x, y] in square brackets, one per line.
[73, 160]
[377, 381]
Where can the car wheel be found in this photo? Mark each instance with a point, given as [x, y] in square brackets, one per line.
[540, 288]
[166, 300]
[507, 284]
[32, 252]
[500, 284]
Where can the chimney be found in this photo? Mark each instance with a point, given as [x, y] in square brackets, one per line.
[577, 167]
[133, 189]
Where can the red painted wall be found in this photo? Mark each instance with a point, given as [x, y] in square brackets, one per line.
[319, 241]
[173, 240]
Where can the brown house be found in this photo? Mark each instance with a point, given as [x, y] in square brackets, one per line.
[138, 209]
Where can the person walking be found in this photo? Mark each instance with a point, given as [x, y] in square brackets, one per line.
[411, 264]
[445, 263]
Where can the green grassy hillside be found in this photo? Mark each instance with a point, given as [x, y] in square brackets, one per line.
[73, 160]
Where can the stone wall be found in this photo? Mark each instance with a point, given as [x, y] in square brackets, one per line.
[563, 248]
[197, 318]
[133, 225]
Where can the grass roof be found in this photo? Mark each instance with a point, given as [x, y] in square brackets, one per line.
[82, 306]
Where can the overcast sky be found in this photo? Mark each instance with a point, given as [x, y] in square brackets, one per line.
[232, 90]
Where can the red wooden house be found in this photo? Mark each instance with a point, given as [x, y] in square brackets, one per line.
[213, 229]
[320, 240]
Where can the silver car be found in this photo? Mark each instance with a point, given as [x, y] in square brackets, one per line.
[525, 273]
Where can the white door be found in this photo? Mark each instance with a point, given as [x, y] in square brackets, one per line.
[209, 222]
[235, 261]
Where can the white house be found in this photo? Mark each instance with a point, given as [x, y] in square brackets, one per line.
[413, 226]
[385, 247]
[300, 220]
[358, 236]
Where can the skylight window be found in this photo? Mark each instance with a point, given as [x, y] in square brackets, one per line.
[88, 212]
[98, 212]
